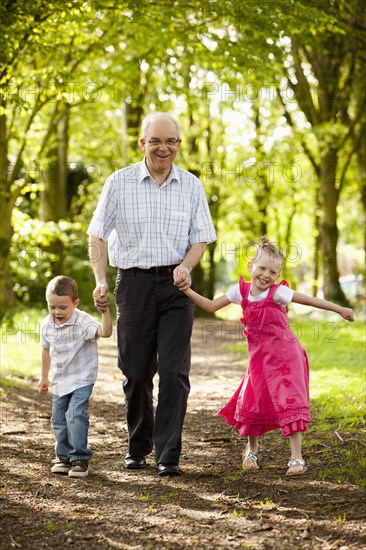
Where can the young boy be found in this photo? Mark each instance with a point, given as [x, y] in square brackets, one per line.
[69, 345]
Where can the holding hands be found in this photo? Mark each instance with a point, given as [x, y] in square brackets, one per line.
[100, 297]
[182, 277]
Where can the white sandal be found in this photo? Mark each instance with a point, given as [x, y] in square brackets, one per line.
[250, 459]
[295, 463]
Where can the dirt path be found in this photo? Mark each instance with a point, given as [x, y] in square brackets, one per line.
[214, 505]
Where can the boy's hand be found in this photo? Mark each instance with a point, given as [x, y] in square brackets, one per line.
[347, 314]
[102, 308]
[43, 386]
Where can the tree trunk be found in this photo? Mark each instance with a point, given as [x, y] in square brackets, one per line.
[316, 255]
[214, 205]
[361, 162]
[329, 195]
[54, 174]
[7, 295]
[205, 272]
[133, 109]
[133, 113]
[262, 191]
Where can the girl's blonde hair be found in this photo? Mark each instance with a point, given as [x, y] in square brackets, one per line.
[265, 245]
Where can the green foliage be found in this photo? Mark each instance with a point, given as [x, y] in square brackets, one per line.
[216, 65]
[42, 250]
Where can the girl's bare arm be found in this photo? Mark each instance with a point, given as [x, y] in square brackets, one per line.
[319, 303]
[204, 303]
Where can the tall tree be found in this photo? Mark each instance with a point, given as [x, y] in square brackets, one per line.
[36, 35]
[321, 72]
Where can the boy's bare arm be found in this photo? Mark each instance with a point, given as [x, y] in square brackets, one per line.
[106, 328]
[46, 363]
[319, 303]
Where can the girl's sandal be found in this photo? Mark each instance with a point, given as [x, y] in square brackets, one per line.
[296, 467]
[250, 459]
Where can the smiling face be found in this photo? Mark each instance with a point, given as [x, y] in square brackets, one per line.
[264, 272]
[159, 158]
[61, 308]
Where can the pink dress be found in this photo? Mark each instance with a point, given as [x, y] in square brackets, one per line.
[274, 392]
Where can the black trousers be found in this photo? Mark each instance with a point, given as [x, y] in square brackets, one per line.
[154, 326]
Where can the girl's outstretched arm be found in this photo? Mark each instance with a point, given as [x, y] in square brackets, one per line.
[204, 303]
[306, 300]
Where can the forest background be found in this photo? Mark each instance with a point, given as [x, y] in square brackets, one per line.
[271, 101]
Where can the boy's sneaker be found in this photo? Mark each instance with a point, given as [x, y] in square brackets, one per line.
[61, 466]
[79, 468]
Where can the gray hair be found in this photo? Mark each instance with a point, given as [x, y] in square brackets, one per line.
[152, 116]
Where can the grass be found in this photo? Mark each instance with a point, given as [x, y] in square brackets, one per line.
[20, 351]
[337, 372]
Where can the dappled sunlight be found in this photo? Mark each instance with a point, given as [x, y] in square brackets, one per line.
[213, 504]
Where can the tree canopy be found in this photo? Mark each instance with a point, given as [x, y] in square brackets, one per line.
[271, 102]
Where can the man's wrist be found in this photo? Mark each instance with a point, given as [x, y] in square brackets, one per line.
[189, 267]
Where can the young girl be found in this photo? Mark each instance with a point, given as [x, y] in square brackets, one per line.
[274, 393]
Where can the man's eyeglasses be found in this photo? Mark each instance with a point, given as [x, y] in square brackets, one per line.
[171, 142]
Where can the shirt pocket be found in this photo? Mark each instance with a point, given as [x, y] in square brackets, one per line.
[177, 225]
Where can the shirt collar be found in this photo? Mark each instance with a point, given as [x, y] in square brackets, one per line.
[144, 172]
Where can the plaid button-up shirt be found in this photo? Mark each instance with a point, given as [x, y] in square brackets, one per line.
[150, 225]
[73, 351]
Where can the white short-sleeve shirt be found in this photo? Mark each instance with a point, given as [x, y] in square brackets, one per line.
[73, 351]
[282, 296]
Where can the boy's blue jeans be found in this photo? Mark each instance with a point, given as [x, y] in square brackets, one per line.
[70, 423]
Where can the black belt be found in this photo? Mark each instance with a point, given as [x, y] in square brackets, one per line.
[155, 270]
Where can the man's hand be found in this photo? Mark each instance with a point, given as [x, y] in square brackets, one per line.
[182, 277]
[100, 298]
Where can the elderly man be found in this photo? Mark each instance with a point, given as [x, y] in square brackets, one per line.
[156, 220]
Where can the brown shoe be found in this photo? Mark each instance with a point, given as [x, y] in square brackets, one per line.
[79, 468]
[61, 466]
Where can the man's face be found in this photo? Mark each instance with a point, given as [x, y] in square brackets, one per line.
[160, 156]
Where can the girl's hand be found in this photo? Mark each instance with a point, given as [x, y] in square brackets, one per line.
[347, 313]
